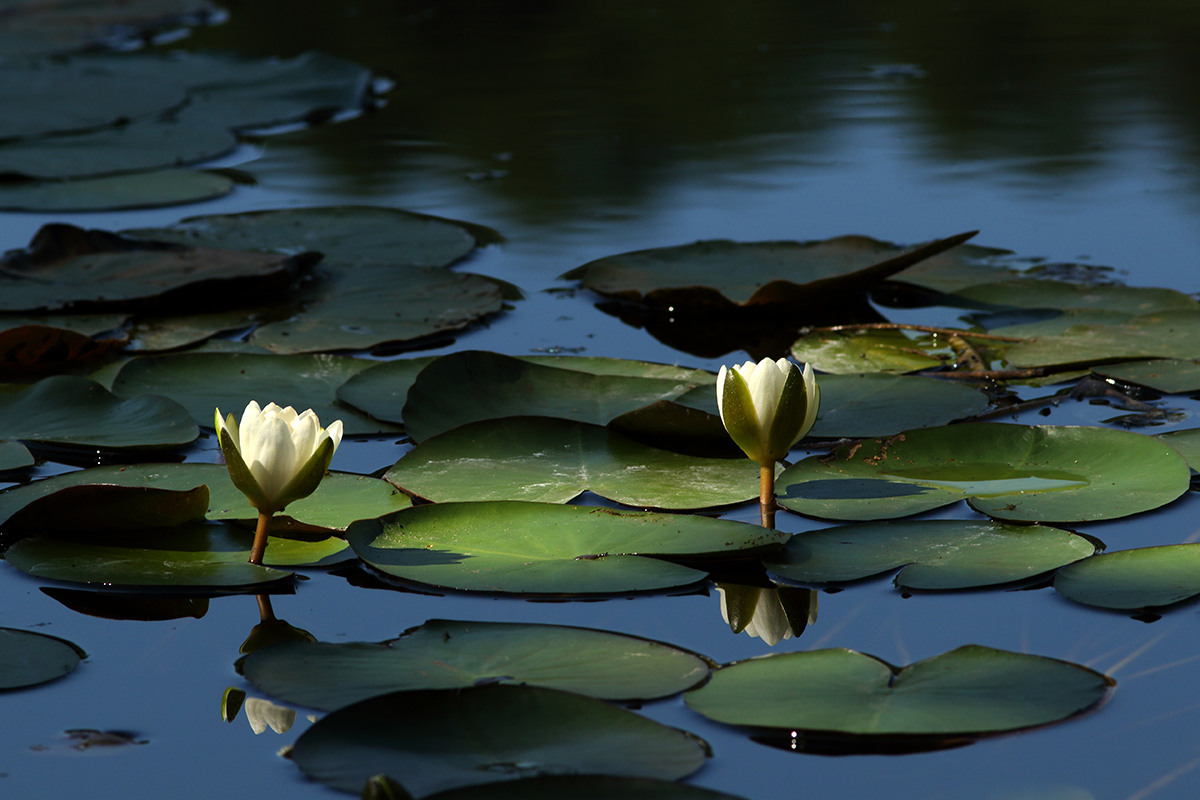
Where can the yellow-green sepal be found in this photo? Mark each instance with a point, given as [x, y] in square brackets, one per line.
[739, 415]
[790, 416]
[240, 474]
[309, 477]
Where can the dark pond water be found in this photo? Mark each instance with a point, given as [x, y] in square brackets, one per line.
[1064, 132]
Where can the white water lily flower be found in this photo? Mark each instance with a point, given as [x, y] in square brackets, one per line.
[276, 456]
[767, 407]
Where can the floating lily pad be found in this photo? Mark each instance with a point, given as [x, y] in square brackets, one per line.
[204, 555]
[345, 234]
[965, 265]
[1170, 376]
[549, 460]
[14, 455]
[1028, 323]
[203, 382]
[110, 508]
[1170, 334]
[443, 654]
[1187, 443]
[727, 274]
[1145, 577]
[27, 658]
[1012, 472]
[38, 349]
[971, 690]
[167, 187]
[934, 554]
[444, 738]
[137, 147]
[852, 352]
[582, 787]
[157, 333]
[338, 500]
[1030, 293]
[544, 548]
[76, 411]
[475, 385]
[36, 28]
[69, 268]
[87, 324]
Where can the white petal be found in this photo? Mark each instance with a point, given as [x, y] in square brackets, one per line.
[274, 463]
[306, 435]
[334, 432]
[766, 387]
[248, 429]
[721, 396]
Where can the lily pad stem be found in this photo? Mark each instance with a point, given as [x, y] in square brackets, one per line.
[766, 494]
[260, 538]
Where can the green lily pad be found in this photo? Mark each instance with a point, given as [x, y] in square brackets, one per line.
[934, 554]
[1045, 322]
[443, 654]
[1170, 376]
[166, 187]
[137, 147]
[439, 739]
[338, 500]
[725, 273]
[552, 461]
[76, 411]
[30, 350]
[1011, 472]
[1187, 443]
[28, 658]
[596, 365]
[110, 508]
[203, 555]
[87, 324]
[203, 382]
[852, 352]
[475, 385]
[345, 234]
[545, 548]
[34, 28]
[1029, 293]
[1145, 577]
[969, 690]
[158, 333]
[14, 455]
[1169, 334]
[965, 265]
[582, 787]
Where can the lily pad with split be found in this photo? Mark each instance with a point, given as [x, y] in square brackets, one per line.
[551, 460]
[1010, 472]
[968, 692]
[930, 554]
[1145, 577]
[542, 548]
[443, 654]
[28, 658]
[14, 455]
[441, 739]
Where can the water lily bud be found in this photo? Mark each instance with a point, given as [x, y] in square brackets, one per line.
[767, 407]
[276, 456]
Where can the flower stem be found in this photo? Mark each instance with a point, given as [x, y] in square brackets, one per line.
[260, 538]
[766, 494]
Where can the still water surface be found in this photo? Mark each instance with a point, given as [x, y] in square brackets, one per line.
[584, 129]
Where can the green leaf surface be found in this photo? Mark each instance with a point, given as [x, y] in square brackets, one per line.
[1187, 443]
[1011, 472]
[202, 382]
[338, 501]
[1045, 322]
[1170, 376]
[934, 554]
[545, 548]
[749, 273]
[110, 508]
[1145, 577]
[583, 787]
[203, 555]
[167, 187]
[1170, 334]
[14, 455]
[1033, 293]
[28, 658]
[443, 654]
[444, 738]
[76, 411]
[474, 385]
[970, 690]
[852, 352]
[552, 461]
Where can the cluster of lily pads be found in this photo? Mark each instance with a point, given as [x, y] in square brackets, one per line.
[111, 342]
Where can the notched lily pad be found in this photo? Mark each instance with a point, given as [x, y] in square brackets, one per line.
[1011, 472]
[1146, 577]
[28, 658]
[543, 548]
[14, 455]
[933, 554]
[77, 411]
[444, 738]
[724, 274]
[443, 654]
[965, 693]
[551, 460]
